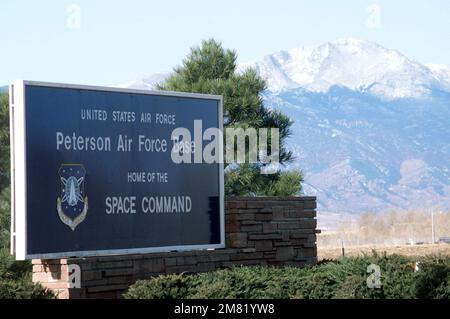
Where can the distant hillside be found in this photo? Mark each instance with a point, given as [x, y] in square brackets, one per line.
[360, 153]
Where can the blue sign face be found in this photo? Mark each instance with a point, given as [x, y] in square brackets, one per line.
[100, 173]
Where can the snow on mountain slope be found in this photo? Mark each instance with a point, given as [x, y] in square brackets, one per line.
[147, 83]
[442, 74]
[356, 64]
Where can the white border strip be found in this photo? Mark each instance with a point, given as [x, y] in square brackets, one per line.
[111, 252]
[18, 139]
[221, 175]
[123, 90]
[18, 142]
[12, 174]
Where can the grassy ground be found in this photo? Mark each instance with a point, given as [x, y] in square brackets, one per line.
[406, 250]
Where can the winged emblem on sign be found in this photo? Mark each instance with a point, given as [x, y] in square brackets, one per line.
[72, 205]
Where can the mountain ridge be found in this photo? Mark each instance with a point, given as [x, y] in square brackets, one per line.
[357, 64]
[371, 127]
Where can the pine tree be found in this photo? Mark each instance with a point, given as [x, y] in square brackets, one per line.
[211, 69]
[4, 141]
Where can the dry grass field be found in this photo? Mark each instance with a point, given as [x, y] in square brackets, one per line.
[407, 250]
[396, 232]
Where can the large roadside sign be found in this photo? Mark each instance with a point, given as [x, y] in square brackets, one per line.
[94, 171]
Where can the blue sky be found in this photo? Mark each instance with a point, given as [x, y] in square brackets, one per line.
[110, 42]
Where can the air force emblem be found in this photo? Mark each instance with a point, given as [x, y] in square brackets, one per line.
[72, 206]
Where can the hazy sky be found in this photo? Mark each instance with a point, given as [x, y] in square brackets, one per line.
[109, 42]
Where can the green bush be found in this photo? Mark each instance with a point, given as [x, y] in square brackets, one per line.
[433, 278]
[162, 287]
[238, 282]
[4, 217]
[397, 277]
[15, 280]
[23, 289]
[346, 278]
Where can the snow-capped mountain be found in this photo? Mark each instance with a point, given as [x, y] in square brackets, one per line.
[146, 83]
[371, 127]
[359, 65]
[355, 64]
